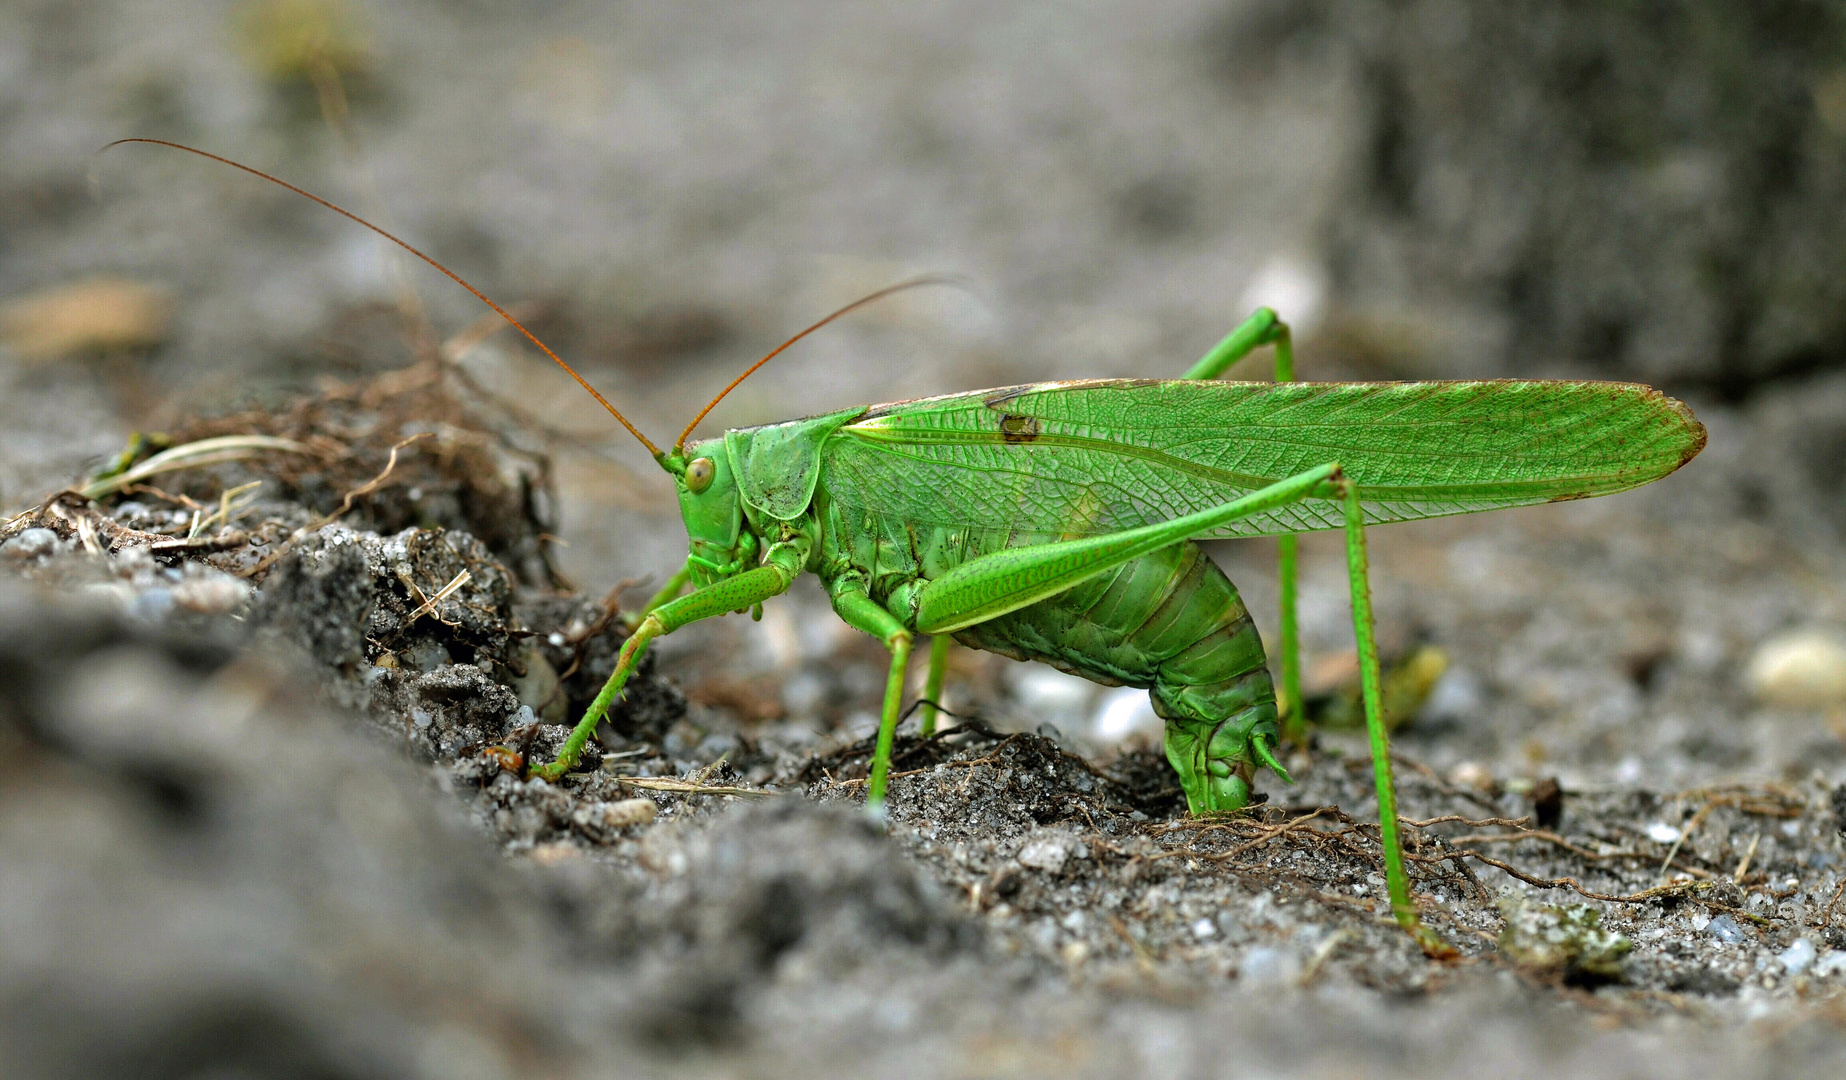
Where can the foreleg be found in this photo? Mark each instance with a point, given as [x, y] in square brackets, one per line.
[670, 591]
[731, 594]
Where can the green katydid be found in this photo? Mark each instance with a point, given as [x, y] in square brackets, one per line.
[1057, 522]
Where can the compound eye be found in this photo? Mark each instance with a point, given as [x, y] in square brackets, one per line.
[698, 475]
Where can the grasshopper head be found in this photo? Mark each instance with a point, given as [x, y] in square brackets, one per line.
[717, 543]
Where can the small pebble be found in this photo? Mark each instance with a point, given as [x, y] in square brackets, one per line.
[1472, 775]
[1266, 966]
[1662, 833]
[1796, 958]
[1802, 669]
[30, 544]
[1204, 928]
[211, 595]
[1725, 929]
[1047, 854]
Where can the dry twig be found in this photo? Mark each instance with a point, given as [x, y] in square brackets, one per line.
[688, 787]
[429, 606]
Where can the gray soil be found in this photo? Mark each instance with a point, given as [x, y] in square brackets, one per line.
[261, 805]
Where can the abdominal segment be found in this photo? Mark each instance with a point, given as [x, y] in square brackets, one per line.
[1169, 621]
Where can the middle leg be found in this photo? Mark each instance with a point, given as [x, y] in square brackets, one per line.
[1264, 328]
[932, 684]
[852, 603]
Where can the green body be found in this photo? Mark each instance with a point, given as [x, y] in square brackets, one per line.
[878, 501]
[1056, 522]
[1169, 621]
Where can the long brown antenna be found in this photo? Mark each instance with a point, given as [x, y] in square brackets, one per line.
[913, 283]
[452, 275]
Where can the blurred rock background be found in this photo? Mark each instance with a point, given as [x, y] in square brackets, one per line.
[1631, 190]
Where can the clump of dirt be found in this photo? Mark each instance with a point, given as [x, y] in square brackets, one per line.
[406, 557]
[452, 464]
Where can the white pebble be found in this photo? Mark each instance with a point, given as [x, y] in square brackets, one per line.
[1472, 774]
[1047, 854]
[1796, 958]
[1267, 966]
[212, 594]
[1802, 669]
[30, 544]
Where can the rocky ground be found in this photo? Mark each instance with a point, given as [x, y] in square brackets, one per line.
[263, 715]
[267, 718]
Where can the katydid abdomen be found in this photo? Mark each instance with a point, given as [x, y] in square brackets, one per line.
[1169, 622]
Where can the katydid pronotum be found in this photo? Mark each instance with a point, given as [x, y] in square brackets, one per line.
[1058, 522]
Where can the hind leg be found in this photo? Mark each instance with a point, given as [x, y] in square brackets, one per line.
[1397, 882]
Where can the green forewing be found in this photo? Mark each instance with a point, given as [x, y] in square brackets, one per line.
[1082, 458]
